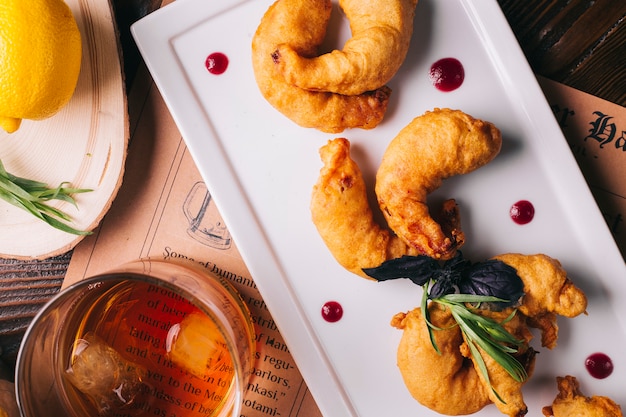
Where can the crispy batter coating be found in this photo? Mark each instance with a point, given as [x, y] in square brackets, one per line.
[571, 402]
[342, 214]
[302, 25]
[452, 143]
[548, 292]
[446, 383]
[546, 285]
[381, 34]
[451, 383]
[343, 217]
[437, 145]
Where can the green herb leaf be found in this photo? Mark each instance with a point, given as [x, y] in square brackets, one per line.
[486, 333]
[429, 325]
[482, 367]
[32, 196]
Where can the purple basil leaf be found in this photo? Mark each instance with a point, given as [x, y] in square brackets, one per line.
[449, 276]
[418, 269]
[440, 288]
[458, 263]
[494, 278]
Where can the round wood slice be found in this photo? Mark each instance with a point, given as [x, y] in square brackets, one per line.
[84, 144]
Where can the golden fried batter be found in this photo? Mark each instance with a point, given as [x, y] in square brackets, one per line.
[435, 146]
[547, 287]
[302, 25]
[342, 214]
[410, 170]
[451, 383]
[548, 292]
[571, 402]
[446, 383]
[381, 34]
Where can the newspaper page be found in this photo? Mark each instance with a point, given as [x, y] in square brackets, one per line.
[596, 132]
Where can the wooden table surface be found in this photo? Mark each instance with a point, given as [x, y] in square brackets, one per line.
[579, 43]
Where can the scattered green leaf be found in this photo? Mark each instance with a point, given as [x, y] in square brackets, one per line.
[33, 196]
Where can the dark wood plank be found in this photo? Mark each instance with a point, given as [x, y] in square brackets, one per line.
[25, 286]
[579, 43]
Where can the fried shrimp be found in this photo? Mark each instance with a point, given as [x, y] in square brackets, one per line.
[548, 292]
[451, 383]
[546, 285]
[342, 214]
[446, 382]
[571, 402]
[410, 170]
[302, 25]
[344, 219]
[381, 34]
[435, 146]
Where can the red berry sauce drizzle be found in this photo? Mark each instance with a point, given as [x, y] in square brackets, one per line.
[216, 63]
[522, 212]
[447, 74]
[599, 365]
[332, 311]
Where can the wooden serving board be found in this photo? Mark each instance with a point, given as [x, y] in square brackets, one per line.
[84, 144]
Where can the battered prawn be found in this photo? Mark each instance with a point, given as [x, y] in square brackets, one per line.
[381, 34]
[344, 219]
[548, 293]
[571, 402]
[302, 25]
[446, 383]
[547, 287]
[451, 383]
[435, 146]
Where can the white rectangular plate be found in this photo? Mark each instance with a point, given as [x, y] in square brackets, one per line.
[261, 167]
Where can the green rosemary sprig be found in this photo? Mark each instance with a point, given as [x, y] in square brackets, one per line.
[33, 196]
[486, 333]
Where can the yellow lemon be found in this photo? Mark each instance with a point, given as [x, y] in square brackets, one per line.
[40, 53]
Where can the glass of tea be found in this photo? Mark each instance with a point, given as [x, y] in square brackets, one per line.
[151, 338]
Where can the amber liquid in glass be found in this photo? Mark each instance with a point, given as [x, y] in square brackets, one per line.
[143, 350]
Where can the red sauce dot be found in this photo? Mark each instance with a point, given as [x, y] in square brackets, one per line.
[522, 212]
[216, 63]
[332, 311]
[599, 365]
[447, 74]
